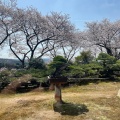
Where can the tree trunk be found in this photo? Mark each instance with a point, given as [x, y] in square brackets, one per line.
[109, 51]
[23, 64]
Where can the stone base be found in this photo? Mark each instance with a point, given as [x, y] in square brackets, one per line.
[69, 108]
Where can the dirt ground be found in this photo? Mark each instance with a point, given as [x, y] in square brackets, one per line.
[101, 100]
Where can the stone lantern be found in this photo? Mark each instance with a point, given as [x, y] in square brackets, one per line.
[57, 81]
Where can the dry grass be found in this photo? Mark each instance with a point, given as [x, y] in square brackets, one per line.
[100, 99]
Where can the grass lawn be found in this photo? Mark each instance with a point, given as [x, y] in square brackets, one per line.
[101, 100]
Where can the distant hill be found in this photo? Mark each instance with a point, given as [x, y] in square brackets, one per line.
[9, 61]
[15, 61]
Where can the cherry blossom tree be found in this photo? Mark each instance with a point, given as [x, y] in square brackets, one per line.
[38, 34]
[106, 35]
[7, 26]
[68, 48]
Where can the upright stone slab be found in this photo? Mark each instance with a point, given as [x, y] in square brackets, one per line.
[118, 93]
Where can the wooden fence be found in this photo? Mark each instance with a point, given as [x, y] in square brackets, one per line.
[78, 80]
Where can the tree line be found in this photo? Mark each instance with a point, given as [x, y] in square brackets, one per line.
[28, 34]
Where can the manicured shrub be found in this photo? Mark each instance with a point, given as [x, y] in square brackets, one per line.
[37, 63]
[84, 58]
[57, 66]
[85, 70]
[105, 60]
[75, 71]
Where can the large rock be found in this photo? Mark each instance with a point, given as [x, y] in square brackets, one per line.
[16, 84]
[118, 93]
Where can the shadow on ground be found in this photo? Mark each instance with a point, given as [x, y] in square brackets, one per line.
[70, 109]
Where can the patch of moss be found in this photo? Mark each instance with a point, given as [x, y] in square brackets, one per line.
[70, 108]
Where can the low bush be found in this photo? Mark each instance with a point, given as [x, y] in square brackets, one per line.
[20, 72]
[75, 71]
[4, 78]
[84, 70]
